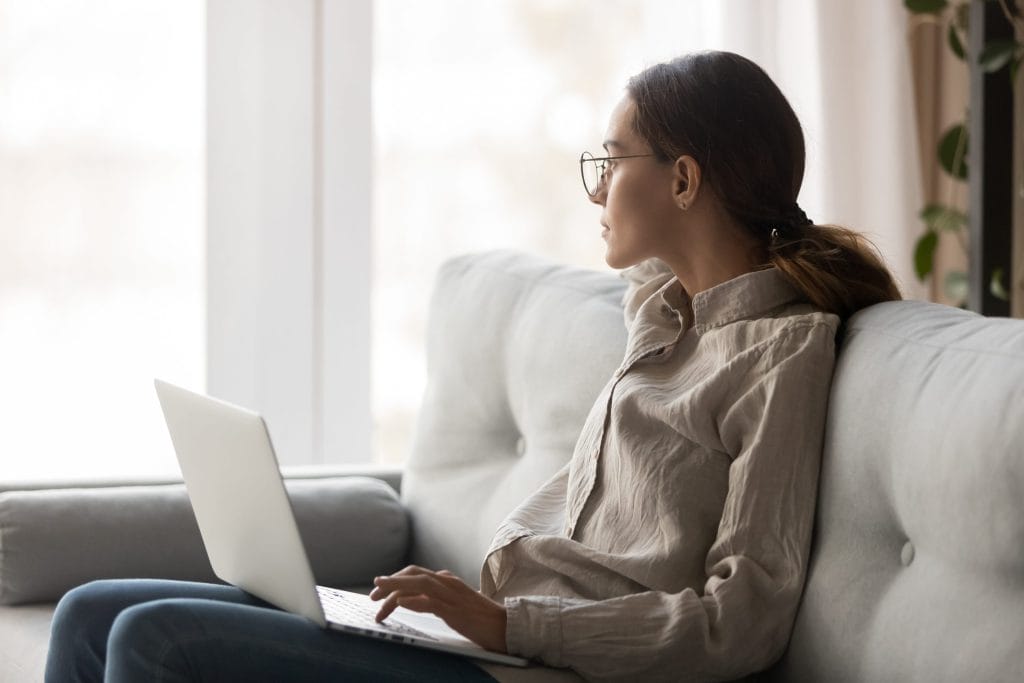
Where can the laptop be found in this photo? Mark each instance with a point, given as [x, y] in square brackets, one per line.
[252, 539]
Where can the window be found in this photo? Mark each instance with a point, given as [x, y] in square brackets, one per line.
[101, 231]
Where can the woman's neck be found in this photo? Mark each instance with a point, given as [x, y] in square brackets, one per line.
[716, 252]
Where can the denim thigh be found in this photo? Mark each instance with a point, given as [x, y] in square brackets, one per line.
[84, 616]
[178, 631]
[179, 640]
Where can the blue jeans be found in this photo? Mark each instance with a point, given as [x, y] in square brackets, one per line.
[149, 630]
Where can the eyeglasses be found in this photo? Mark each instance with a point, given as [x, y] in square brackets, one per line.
[593, 170]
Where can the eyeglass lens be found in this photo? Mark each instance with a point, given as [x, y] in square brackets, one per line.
[591, 170]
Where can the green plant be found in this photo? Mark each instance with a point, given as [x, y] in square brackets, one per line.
[939, 217]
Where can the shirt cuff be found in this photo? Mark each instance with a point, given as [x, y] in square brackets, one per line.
[534, 628]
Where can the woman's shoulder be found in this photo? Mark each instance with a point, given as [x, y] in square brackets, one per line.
[796, 334]
[788, 324]
[801, 317]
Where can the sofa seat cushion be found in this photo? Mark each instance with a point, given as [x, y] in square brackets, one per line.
[518, 348]
[24, 638]
[917, 570]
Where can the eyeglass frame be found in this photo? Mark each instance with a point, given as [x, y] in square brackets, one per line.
[602, 168]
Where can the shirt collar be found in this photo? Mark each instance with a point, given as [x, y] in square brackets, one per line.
[750, 295]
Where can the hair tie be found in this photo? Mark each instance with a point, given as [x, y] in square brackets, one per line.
[797, 218]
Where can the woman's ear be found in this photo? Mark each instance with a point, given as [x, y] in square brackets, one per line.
[686, 181]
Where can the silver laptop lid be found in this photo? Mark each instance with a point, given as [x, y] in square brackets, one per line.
[253, 542]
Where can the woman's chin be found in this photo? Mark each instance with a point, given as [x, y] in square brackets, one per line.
[614, 256]
[615, 261]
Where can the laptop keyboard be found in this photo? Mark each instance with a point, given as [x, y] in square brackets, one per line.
[341, 609]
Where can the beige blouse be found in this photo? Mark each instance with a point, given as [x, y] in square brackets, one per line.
[674, 544]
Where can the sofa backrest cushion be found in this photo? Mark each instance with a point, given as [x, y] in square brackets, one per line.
[52, 540]
[518, 349]
[917, 570]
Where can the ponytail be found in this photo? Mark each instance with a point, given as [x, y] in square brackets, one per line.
[837, 269]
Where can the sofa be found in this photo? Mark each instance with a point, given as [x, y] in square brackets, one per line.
[917, 562]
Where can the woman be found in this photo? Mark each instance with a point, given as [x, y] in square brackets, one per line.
[674, 544]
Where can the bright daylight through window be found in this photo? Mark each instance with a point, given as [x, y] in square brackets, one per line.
[101, 231]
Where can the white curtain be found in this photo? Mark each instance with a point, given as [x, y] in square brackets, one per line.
[845, 67]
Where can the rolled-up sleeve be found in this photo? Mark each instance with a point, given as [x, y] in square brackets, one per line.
[771, 426]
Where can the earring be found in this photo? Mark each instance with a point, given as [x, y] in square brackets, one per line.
[682, 205]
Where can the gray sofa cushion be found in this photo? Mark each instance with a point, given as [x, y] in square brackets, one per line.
[52, 540]
[918, 565]
[517, 350]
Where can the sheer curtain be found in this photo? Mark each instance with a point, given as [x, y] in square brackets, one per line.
[941, 90]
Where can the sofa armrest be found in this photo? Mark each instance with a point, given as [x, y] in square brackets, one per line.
[54, 539]
[390, 474]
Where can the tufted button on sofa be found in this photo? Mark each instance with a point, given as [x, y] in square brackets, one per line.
[917, 564]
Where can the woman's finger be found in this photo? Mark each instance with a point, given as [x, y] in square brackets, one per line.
[426, 584]
[383, 584]
[412, 569]
[389, 605]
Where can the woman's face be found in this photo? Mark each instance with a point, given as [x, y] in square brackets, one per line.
[640, 212]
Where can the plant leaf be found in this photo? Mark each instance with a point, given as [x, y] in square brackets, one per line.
[940, 217]
[925, 6]
[995, 285]
[955, 286]
[962, 16]
[924, 254]
[996, 55]
[954, 43]
[948, 148]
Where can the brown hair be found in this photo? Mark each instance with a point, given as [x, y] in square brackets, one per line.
[727, 113]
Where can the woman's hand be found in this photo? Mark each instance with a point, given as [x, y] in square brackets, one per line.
[475, 616]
